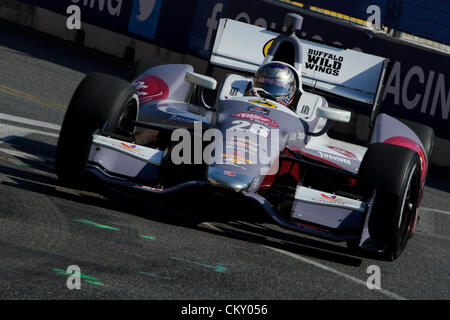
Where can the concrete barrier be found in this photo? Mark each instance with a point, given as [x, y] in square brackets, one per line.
[17, 12]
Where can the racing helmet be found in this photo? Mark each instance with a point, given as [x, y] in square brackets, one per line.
[278, 80]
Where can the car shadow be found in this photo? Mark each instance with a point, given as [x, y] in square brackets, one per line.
[229, 225]
[232, 219]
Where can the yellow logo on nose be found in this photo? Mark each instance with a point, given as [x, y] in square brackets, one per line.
[263, 102]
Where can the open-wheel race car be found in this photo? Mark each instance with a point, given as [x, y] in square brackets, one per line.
[264, 138]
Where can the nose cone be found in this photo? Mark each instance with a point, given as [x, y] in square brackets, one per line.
[224, 178]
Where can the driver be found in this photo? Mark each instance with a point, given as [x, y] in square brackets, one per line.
[275, 81]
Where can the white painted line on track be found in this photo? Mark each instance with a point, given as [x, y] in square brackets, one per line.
[30, 122]
[16, 153]
[209, 225]
[322, 267]
[426, 223]
[434, 210]
[9, 132]
[336, 272]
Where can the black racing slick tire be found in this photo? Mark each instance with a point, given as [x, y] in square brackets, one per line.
[99, 102]
[394, 172]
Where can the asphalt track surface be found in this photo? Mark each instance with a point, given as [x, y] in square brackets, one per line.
[191, 248]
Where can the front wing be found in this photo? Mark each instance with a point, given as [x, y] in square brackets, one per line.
[316, 213]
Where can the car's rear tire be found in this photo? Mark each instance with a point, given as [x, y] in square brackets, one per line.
[98, 100]
[394, 172]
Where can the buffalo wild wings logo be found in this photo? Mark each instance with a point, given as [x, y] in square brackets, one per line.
[324, 62]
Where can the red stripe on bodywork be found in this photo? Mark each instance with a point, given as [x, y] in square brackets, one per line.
[286, 167]
[411, 144]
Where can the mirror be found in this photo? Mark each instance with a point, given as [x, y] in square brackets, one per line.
[334, 114]
[201, 80]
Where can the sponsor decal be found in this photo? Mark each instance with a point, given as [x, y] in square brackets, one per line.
[244, 149]
[230, 173]
[236, 159]
[256, 118]
[346, 153]
[331, 157]
[241, 146]
[258, 110]
[305, 109]
[330, 199]
[151, 88]
[145, 17]
[267, 47]
[298, 136]
[333, 198]
[234, 91]
[131, 147]
[247, 141]
[263, 102]
[324, 62]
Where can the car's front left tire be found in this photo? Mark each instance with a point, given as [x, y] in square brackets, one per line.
[99, 102]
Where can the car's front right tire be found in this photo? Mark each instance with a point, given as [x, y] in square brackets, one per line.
[394, 172]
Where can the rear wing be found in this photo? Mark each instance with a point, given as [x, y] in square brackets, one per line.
[341, 72]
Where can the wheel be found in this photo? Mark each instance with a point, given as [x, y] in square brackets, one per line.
[394, 172]
[99, 100]
[425, 134]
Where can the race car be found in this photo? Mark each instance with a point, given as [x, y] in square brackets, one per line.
[263, 139]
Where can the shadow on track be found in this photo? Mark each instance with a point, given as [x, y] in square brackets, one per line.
[26, 41]
[438, 178]
[233, 219]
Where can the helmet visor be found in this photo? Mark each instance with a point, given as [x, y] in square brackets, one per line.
[275, 88]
